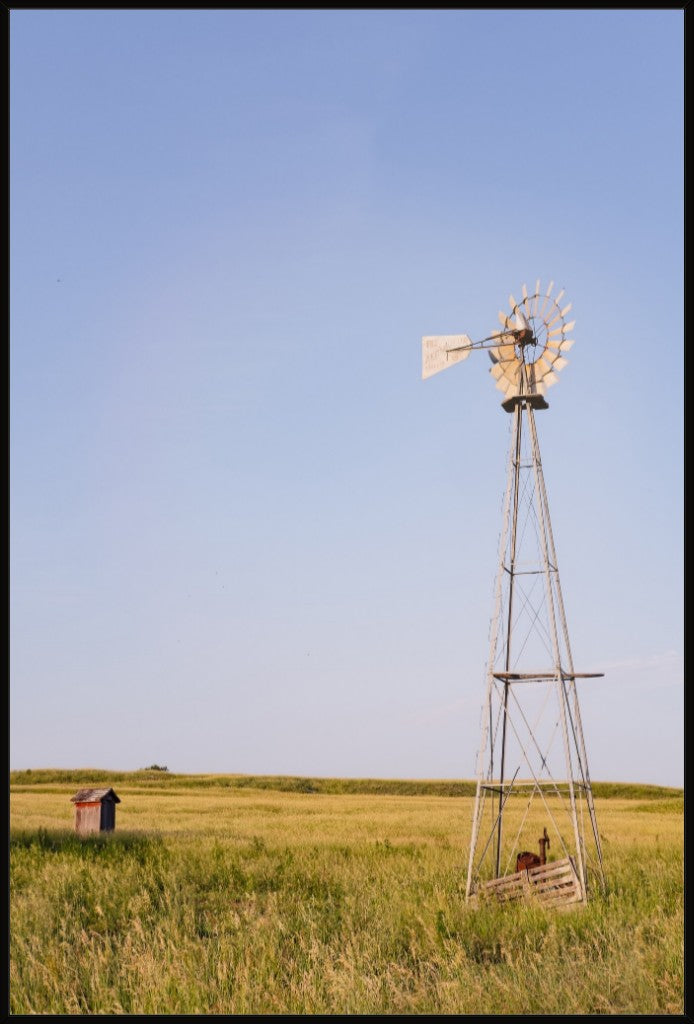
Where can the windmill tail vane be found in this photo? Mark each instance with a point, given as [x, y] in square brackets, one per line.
[532, 767]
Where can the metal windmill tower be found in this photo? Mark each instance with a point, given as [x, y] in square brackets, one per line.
[532, 770]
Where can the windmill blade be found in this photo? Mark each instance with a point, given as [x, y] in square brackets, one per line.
[542, 367]
[546, 299]
[558, 362]
[537, 296]
[566, 309]
[502, 349]
[563, 344]
[507, 387]
[437, 352]
[511, 375]
[504, 320]
[502, 342]
[506, 371]
[564, 329]
[526, 302]
[557, 316]
[512, 303]
[506, 353]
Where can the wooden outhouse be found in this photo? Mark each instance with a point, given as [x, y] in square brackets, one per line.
[95, 810]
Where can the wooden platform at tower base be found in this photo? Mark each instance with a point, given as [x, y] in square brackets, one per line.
[552, 885]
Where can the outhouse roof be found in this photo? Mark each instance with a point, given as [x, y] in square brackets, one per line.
[90, 796]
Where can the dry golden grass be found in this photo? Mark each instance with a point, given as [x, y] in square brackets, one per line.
[224, 900]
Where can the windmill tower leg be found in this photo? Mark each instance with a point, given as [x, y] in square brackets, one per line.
[571, 711]
[485, 754]
[514, 468]
[552, 589]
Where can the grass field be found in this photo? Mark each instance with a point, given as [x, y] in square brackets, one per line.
[252, 895]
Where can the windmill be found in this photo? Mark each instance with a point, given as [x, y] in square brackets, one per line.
[533, 784]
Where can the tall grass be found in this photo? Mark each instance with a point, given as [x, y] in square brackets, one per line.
[232, 901]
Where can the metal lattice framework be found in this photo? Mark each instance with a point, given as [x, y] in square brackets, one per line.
[532, 770]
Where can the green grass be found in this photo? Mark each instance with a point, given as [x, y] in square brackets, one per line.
[224, 898]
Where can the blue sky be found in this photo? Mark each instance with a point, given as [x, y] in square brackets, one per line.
[245, 535]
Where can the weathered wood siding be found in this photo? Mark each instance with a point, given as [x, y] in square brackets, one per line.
[88, 818]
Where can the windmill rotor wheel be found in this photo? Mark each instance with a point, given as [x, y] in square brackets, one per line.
[532, 342]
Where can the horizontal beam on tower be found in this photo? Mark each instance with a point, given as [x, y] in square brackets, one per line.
[548, 788]
[528, 677]
[528, 572]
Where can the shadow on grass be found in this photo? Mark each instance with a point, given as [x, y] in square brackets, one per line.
[100, 844]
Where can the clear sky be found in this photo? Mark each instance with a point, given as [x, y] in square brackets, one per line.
[245, 535]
